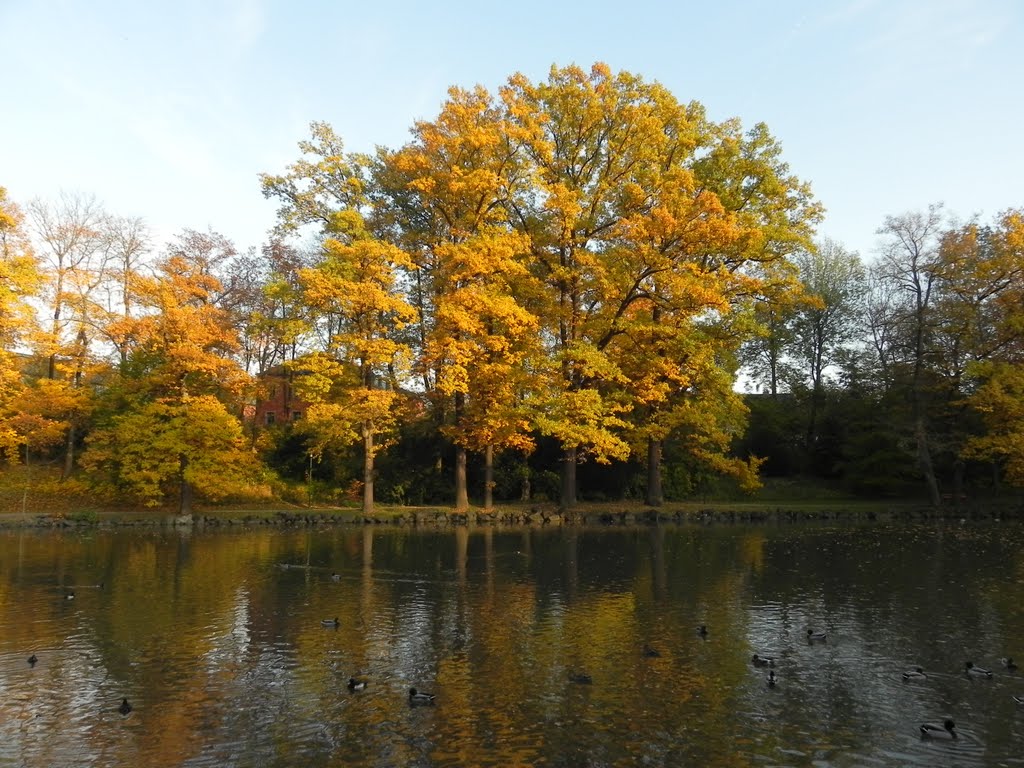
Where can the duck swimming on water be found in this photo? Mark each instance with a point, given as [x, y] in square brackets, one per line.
[970, 669]
[914, 674]
[944, 731]
[418, 697]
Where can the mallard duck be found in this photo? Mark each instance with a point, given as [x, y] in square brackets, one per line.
[70, 595]
[417, 697]
[771, 679]
[330, 622]
[970, 669]
[914, 674]
[1009, 664]
[819, 636]
[702, 630]
[335, 577]
[651, 653]
[125, 707]
[32, 660]
[356, 685]
[762, 661]
[582, 678]
[944, 731]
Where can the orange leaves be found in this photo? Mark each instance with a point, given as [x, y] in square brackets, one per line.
[571, 249]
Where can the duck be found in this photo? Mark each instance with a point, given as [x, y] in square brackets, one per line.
[582, 678]
[944, 731]
[819, 636]
[418, 697]
[771, 679]
[970, 669]
[356, 685]
[330, 622]
[702, 630]
[1009, 664]
[70, 595]
[914, 674]
[335, 577]
[651, 653]
[125, 707]
[32, 660]
[762, 661]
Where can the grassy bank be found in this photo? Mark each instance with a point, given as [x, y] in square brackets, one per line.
[35, 496]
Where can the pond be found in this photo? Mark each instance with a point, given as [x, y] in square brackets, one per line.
[543, 646]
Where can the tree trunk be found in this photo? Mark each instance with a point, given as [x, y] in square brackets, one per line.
[185, 490]
[461, 493]
[368, 451]
[924, 461]
[654, 493]
[69, 449]
[69, 453]
[959, 497]
[488, 478]
[568, 500]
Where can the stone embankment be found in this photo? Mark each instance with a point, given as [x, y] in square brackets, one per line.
[530, 516]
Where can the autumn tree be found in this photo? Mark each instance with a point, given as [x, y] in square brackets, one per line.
[70, 234]
[353, 297]
[354, 385]
[170, 426]
[457, 176]
[126, 245]
[268, 307]
[19, 280]
[643, 212]
[979, 337]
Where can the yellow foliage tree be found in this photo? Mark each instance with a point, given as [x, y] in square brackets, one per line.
[354, 386]
[19, 281]
[168, 426]
[644, 213]
[456, 177]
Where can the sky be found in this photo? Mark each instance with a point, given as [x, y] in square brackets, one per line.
[169, 111]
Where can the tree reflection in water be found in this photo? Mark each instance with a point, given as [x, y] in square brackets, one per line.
[220, 651]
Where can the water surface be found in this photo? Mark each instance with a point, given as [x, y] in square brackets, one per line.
[216, 640]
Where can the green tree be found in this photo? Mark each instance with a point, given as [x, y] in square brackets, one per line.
[824, 327]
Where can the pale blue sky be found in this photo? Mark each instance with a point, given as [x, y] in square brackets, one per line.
[169, 110]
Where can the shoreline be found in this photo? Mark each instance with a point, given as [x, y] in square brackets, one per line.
[540, 515]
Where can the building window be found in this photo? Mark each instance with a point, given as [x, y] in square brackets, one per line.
[269, 415]
[296, 415]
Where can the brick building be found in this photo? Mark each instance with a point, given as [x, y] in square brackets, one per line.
[281, 404]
